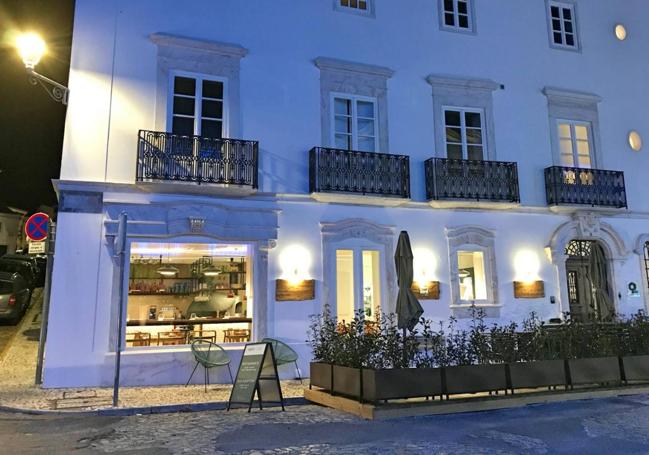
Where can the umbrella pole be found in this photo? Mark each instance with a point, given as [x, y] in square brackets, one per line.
[404, 348]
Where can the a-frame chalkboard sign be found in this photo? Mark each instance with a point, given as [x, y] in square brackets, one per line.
[257, 373]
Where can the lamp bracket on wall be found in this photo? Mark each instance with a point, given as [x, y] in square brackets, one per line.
[57, 92]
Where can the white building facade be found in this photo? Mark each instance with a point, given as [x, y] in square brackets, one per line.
[251, 142]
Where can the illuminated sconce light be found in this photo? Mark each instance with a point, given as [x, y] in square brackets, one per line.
[635, 141]
[295, 261]
[620, 32]
[528, 284]
[424, 284]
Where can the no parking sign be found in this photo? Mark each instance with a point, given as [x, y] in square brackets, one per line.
[37, 226]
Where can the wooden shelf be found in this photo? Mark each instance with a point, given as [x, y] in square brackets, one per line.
[185, 294]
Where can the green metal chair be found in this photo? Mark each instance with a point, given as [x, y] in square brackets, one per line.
[210, 355]
[283, 354]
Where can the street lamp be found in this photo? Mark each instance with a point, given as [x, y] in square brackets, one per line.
[31, 48]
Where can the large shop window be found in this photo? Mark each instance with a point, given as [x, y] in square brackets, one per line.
[180, 292]
[197, 106]
[471, 275]
[358, 283]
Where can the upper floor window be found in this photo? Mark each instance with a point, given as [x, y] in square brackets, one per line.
[563, 25]
[197, 106]
[575, 143]
[354, 123]
[464, 133]
[457, 15]
[363, 7]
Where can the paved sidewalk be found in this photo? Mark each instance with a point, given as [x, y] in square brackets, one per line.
[17, 388]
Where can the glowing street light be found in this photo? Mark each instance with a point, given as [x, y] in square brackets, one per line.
[31, 48]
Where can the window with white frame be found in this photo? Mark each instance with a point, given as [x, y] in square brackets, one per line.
[575, 144]
[457, 15]
[358, 283]
[472, 261]
[464, 133]
[197, 105]
[563, 24]
[354, 123]
[363, 7]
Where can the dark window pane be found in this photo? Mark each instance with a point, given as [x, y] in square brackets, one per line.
[184, 86]
[462, 8]
[449, 19]
[452, 118]
[474, 152]
[211, 128]
[183, 126]
[448, 6]
[213, 89]
[454, 152]
[570, 40]
[556, 25]
[453, 135]
[567, 14]
[353, 3]
[212, 109]
[183, 106]
[362, 4]
[557, 38]
[344, 2]
[555, 11]
[472, 119]
[463, 21]
[474, 136]
[567, 25]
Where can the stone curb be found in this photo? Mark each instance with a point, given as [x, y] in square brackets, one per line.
[143, 410]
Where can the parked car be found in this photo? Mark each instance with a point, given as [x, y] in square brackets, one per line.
[25, 269]
[15, 295]
[37, 271]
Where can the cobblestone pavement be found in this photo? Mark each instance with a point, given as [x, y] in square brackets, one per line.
[604, 426]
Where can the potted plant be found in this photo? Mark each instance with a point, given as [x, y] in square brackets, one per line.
[634, 358]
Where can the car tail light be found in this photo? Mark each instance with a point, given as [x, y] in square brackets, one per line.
[12, 299]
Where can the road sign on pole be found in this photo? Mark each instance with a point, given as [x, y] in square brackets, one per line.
[37, 226]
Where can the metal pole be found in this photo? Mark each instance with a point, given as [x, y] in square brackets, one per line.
[45, 311]
[120, 249]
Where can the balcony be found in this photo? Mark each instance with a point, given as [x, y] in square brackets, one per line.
[352, 173]
[578, 186]
[471, 182]
[165, 158]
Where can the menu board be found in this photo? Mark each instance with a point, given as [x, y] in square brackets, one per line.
[257, 373]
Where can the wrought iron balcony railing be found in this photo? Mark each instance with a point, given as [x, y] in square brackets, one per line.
[195, 159]
[346, 171]
[578, 186]
[471, 180]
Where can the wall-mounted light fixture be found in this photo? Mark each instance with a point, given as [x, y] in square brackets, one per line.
[295, 261]
[635, 141]
[424, 285]
[31, 48]
[620, 32]
[527, 283]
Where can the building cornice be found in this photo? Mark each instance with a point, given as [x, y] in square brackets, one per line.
[333, 64]
[215, 47]
[559, 95]
[456, 82]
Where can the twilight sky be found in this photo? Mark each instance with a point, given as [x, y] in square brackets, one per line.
[31, 124]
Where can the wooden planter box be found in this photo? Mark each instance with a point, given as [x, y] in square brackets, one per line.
[597, 370]
[475, 378]
[544, 373]
[321, 375]
[636, 368]
[346, 381]
[401, 383]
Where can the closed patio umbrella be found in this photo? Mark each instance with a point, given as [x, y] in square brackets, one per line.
[599, 281]
[408, 308]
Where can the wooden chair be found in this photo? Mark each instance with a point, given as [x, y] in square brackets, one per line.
[209, 335]
[236, 336]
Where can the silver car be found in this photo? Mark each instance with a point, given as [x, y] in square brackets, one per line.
[14, 296]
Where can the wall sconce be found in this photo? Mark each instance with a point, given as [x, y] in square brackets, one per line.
[424, 285]
[527, 265]
[620, 32]
[635, 141]
[31, 48]
[295, 261]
